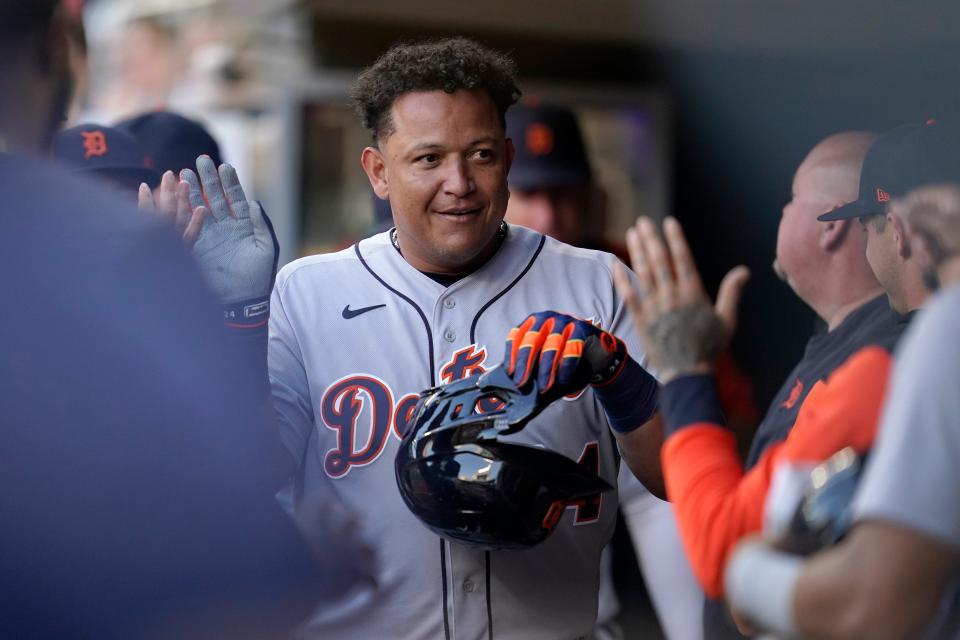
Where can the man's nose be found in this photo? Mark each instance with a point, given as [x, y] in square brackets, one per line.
[458, 180]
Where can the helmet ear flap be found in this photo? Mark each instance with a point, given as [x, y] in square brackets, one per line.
[466, 485]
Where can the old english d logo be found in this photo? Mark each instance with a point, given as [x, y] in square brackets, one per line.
[94, 143]
[539, 139]
[882, 196]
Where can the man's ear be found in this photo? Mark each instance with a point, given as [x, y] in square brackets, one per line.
[900, 236]
[511, 153]
[832, 234]
[376, 169]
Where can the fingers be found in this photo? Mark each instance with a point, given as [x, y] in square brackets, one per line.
[688, 278]
[513, 343]
[236, 198]
[167, 196]
[728, 296]
[553, 356]
[626, 290]
[658, 261]
[194, 226]
[262, 232]
[212, 189]
[531, 345]
[196, 192]
[184, 208]
[145, 198]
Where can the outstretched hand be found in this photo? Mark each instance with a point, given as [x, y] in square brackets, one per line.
[172, 203]
[236, 249]
[681, 331]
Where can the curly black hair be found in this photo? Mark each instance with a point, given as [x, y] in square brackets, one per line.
[434, 65]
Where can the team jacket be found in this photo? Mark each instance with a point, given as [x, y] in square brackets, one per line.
[716, 502]
[354, 337]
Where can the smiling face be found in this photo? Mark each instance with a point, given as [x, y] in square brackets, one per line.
[444, 168]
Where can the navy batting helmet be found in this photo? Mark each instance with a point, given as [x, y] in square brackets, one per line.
[468, 486]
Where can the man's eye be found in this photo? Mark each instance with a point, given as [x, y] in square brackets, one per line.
[483, 154]
[429, 158]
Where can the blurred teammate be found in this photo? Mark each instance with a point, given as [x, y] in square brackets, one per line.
[137, 500]
[895, 574]
[105, 153]
[716, 502]
[552, 191]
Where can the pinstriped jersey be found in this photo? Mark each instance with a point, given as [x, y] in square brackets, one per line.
[354, 336]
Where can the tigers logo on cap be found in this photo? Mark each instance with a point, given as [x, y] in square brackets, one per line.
[94, 144]
[539, 138]
[882, 196]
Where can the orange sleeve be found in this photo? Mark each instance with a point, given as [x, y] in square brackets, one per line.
[717, 504]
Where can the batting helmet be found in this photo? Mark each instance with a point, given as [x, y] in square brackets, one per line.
[468, 486]
[824, 514]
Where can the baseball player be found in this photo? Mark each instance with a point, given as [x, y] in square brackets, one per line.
[452, 290]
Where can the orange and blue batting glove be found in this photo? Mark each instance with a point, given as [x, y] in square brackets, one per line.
[563, 354]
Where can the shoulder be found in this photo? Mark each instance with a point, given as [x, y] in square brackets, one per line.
[553, 252]
[328, 269]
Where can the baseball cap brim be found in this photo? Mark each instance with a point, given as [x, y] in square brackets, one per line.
[848, 211]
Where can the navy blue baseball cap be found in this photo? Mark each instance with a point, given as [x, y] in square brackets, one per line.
[549, 147]
[900, 160]
[106, 152]
[170, 141]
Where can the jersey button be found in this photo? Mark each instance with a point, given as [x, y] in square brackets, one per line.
[449, 335]
[468, 585]
[449, 303]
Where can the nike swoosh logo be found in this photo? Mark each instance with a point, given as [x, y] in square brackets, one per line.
[353, 313]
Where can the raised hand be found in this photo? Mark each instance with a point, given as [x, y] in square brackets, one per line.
[681, 331]
[236, 249]
[172, 203]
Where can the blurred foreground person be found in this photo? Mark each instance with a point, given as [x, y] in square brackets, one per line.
[552, 190]
[105, 153]
[892, 576]
[717, 503]
[137, 501]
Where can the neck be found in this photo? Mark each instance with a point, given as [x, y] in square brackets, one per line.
[461, 270]
[841, 312]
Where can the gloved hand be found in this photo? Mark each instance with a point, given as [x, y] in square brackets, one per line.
[566, 354]
[237, 250]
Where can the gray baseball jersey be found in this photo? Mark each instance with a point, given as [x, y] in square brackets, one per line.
[354, 336]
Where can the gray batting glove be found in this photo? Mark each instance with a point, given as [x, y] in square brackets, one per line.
[236, 249]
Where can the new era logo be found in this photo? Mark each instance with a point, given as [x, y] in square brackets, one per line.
[882, 196]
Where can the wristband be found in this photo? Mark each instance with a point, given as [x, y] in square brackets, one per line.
[760, 583]
[630, 399]
[249, 314]
[688, 400]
